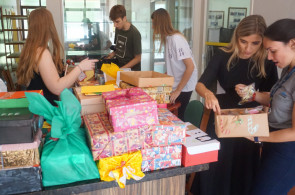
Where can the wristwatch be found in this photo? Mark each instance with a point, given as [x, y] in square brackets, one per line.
[256, 140]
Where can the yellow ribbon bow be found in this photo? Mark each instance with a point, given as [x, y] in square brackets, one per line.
[120, 168]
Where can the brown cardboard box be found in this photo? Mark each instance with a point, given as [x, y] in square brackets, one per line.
[236, 123]
[147, 78]
[89, 104]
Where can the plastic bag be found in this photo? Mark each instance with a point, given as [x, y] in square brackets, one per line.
[120, 168]
[248, 91]
[65, 157]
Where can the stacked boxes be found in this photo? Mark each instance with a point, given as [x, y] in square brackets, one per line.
[106, 143]
[159, 141]
[20, 142]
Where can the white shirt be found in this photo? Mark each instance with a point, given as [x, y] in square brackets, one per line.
[176, 50]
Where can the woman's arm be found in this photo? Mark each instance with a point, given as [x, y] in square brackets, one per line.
[50, 76]
[189, 65]
[261, 97]
[211, 101]
[284, 135]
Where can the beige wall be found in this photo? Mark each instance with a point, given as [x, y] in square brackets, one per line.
[56, 8]
[273, 10]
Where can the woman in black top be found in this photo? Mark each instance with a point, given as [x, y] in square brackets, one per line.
[40, 66]
[242, 61]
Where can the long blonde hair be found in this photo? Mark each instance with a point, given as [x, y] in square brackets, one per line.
[250, 25]
[162, 26]
[41, 31]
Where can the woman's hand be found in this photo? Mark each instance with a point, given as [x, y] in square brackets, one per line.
[211, 102]
[174, 95]
[239, 89]
[87, 64]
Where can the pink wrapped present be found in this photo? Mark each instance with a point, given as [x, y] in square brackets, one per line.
[106, 143]
[170, 130]
[130, 108]
[161, 157]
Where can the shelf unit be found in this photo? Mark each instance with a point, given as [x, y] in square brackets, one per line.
[12, 40]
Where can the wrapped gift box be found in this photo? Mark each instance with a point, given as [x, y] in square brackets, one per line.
[161, 93]
[15, 99]
[147, 78]
[104, 142]
[21, 155]
[17, 125]
[23, 180]
[199, 148]
[241, 123]
[130, 108]
[90, 104]
[161, 157]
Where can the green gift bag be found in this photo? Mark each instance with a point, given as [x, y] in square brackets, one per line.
[65, 156]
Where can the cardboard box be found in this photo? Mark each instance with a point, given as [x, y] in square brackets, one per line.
[130, 108]
[104, 142]
[160, 158]
[147, 78]
[237, 123]
[199, 148]
[89, 104]
[161, 93]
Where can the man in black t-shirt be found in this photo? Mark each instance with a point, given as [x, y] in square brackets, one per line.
[127, 40]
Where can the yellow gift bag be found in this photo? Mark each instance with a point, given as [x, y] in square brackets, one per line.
[120, 168]
[110, 69]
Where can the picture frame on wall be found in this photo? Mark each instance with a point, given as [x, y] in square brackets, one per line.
[235, 15]
[215, 19]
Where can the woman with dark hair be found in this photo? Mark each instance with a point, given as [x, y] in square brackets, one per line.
[277, 170]
[40, 64]
[242, 61]
[178, 58]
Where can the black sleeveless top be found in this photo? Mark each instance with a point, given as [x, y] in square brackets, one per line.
[38, 84]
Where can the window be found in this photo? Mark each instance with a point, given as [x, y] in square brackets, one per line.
[84, 18]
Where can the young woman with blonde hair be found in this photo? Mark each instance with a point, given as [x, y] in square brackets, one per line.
[178, 57]
[40, 65]
[242, 61]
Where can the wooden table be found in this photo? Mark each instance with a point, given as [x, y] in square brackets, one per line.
[162, 182]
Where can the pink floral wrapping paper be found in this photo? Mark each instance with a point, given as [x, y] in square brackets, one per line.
[106, 143]
[130, 108]
[161, 157]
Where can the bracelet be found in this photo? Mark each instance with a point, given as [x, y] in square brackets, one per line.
[253, 96]
[80, 69]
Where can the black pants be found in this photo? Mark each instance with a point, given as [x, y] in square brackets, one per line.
[184, 99]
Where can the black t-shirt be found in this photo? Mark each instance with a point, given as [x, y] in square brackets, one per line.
[38, 84]
[240, 73]
[128, 45]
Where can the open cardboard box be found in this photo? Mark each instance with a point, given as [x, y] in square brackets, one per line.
[236, 123]
[147, 78]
